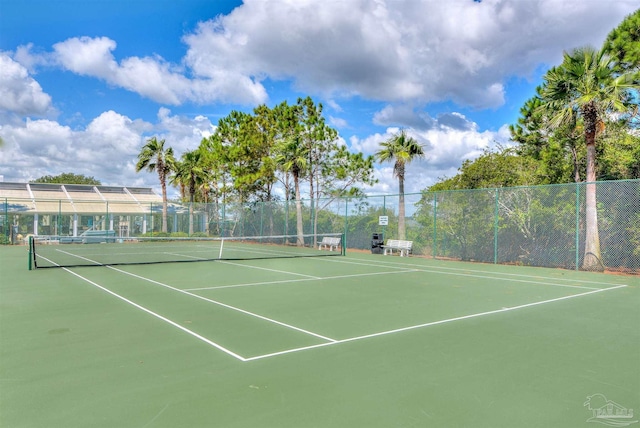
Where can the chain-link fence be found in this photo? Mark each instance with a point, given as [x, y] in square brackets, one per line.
[533, 226]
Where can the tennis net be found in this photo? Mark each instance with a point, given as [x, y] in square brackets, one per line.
[106, 250]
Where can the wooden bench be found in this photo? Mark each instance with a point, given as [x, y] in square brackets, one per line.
[329, 242]
[402, 247]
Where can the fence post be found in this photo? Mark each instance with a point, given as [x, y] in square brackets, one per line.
[435, 224]
[5, 223]
[222, 231]
[577, 226]
[346, 222]
[384, 212]
[286, 218]
[59, 219]
[261, 217]
[495, 227]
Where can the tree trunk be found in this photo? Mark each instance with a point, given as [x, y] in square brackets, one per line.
[576, 170]
[592, 257]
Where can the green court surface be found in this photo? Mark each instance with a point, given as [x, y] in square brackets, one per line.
[358, 341]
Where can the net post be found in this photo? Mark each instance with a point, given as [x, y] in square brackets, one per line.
[31, 253]
[343, 243]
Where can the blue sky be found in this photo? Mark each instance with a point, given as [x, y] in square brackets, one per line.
[83, 83]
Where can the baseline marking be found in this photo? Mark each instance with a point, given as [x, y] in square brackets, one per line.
[413, 327]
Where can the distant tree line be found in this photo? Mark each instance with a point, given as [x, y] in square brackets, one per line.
[68, 178]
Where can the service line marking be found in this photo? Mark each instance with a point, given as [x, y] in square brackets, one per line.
[224, 305]
[284, 281]
[167, 320]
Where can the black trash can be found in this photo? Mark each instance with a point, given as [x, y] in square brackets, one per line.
[377, 240]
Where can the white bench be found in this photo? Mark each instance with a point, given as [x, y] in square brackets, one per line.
[403, 247]
[329, 243]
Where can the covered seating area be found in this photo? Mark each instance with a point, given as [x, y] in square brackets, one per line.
[71, 209]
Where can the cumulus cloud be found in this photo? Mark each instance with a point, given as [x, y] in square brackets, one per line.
[404, 115]
[451, 140]
[153, 77]
[184, 131]
[394, 50]
[106, 148]
[390, 50]
[407, 116]
[19, 92]
[338, 122]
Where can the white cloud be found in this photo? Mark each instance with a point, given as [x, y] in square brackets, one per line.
[19, 92]
[395, 50]
[87, 56]
[450, 141]
[25, 56]
[405, 115]
[106, 149]
[338, 122]
[153, 77]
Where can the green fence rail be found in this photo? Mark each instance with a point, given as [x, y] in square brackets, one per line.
[533, 226]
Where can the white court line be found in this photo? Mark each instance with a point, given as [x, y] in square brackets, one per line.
[398, 264]
[77, 256]
[251, 284]
[413, 327]
[407, 267]
[270, 270]
[417, 268]
[249, 266]
[142, 308]
[333, 341]
[216, 302]
[224, 305]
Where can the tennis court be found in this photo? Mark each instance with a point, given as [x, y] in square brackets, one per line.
[355, 340]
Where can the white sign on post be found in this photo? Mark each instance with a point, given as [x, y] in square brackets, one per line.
[383, 220]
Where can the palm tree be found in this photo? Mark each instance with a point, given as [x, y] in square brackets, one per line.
[154, 157]
[400, 149]
[190, 175]
[586, 87]
[292, 158]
